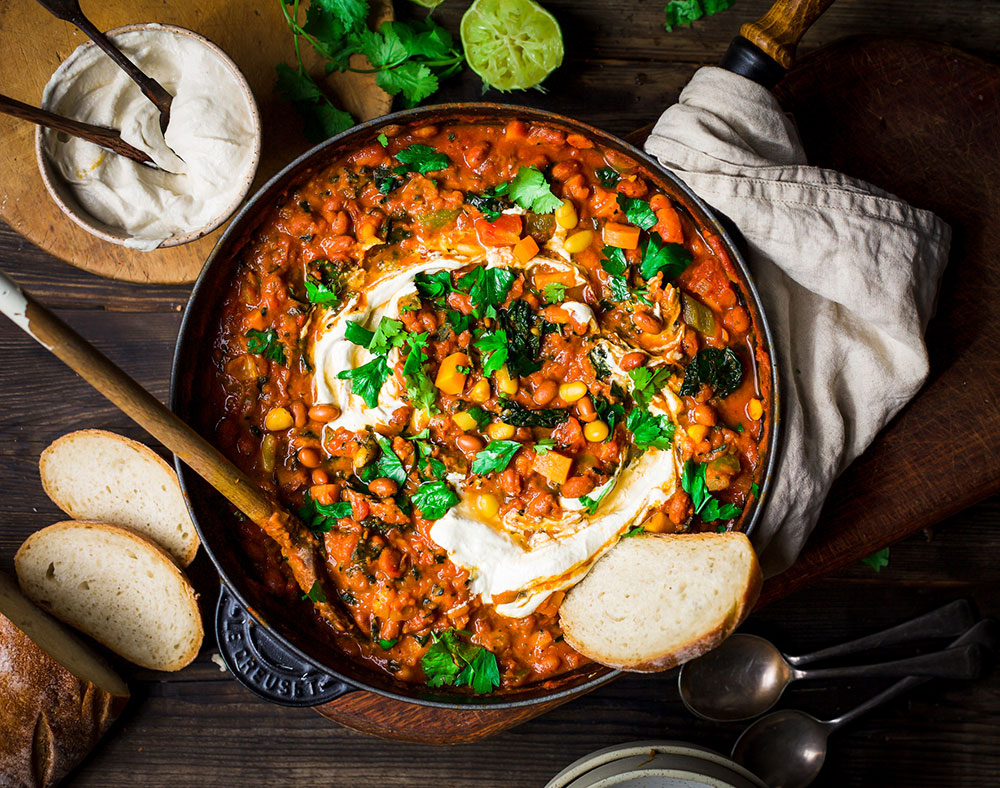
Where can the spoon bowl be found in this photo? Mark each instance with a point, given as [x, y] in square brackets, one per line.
[785, 749]
[743, 677]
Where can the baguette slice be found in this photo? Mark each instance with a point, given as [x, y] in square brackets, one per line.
[57, 697]
[103, 477]
[117, 587]
[657, 600]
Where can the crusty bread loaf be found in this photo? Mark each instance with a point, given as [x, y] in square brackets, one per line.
[116, 586]
[57, 697]
[657, 600]
[103, 477]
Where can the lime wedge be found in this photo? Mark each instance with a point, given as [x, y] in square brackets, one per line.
[511, 44]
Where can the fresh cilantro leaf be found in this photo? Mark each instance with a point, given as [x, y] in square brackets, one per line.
[382, 139]
[266, 343]
[877, 560]
[358, 334]
[591, 504]
[388, 334]
[321, 517]
[720, 369]
[637, 212]
[684, 12]
[415, 81]
[388, 465]
[670, 258]
[434, 499]
[754, 488]
[554, 293]
[321, 118]
[316, 593]
[493, 346]
[609, 177]
[382, 48]
[423, 38]
[647, 383]
[495, 457]
[489, 203]
[481, 416]
[634, 531]
[429, 466]
[715, 511]
[450, 661]
[368, 379]
[531, 191]
[318, 292]
[650, 430]
[352, 14]
[705, 505]
[543, 446]
[422, 159]
[487, 289]
[323, 25]
[514, 413]
[387, 644]
[616, 265]
[419, 387]
[433, 286]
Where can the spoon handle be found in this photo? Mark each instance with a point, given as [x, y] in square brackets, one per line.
[948, 620]
[106, 138]
[984, 634]
[963, 662]
[70, 11]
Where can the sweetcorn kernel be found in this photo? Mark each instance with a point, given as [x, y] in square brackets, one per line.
[505, 382]
[278, 419]
[463, 421]
[571, 392]
[500, 431]
[755, 409]
[697, 432]
[480, 392]
[596, 431]
[566, 215]
[577, 242]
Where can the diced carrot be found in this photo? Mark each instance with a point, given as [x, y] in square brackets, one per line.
[554, 466]
[544, 278]
[525, 249]
[505, 231]
[624, 236]
[516, 130]
[579, 141]
[450, 379]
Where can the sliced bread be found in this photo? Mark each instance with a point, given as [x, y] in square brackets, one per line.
[117, 587]
[100, 476]
[57, 697]
[657, 600]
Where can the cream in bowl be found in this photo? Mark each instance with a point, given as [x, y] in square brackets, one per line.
[206, 161]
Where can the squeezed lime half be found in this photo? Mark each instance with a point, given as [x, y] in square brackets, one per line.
[511, 44]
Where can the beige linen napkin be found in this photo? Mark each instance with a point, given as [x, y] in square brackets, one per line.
[848, 275]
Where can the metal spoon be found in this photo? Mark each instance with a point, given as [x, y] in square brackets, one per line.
[746, 675]
[69, 10]
[109, 139]
[787, 749]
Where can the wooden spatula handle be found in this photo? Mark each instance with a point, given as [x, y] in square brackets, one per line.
[145, 409]
[779, 31]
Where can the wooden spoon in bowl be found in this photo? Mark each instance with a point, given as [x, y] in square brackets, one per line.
[69, 10]
[110, 139]
[299, 545]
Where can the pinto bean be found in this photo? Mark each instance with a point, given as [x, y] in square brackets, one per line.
[383, 487]
[577, 486]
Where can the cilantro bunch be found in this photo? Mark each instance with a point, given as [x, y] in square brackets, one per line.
[407, 58]
[454, 662]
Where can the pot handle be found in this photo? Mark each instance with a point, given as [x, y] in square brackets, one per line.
[765, 49]
[260, 662]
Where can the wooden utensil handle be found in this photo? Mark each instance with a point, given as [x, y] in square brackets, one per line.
[147, 411]
[779, 31]
[106, 138]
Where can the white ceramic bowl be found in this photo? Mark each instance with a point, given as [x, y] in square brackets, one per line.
[63, 194]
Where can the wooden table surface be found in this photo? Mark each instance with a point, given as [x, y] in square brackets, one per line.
[198, 727]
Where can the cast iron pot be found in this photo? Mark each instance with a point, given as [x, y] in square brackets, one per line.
[285, 655]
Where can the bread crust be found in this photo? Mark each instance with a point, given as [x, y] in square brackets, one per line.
[49, 477]
[49, 718]
[666, 660]
[141, 543]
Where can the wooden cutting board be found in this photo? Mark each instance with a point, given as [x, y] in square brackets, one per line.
[252, 33]
[923, 121]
